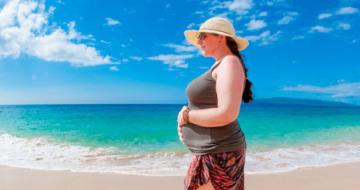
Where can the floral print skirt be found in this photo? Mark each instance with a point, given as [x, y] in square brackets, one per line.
[224, 170]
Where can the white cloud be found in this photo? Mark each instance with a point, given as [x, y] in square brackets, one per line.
[320, 29]
[264, 38]
[173, 60]
[273, 3]
[105, 42]
[239, 7]
[25, 29]
[288, 17]
[182, 48]
[176, 60]
[258, 37]
[263, 14]
[298, 37]
[344, 26]
[285, 20]
[201, 13]
[136, 58]
[224, 15]
[324, 15]
[73, 34]
[191, 26]
[347, 10]
[256, 24]
[112, 22]
[340, 90]
[114, 68]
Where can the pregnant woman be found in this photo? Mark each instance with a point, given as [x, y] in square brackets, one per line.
[208, 126]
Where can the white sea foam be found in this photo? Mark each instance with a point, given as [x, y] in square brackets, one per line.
[41, 153]
[287, 159]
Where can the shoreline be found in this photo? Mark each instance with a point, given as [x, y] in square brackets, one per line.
[78, 158]
[339, 176]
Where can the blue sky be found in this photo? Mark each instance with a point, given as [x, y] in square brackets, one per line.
[78, 51]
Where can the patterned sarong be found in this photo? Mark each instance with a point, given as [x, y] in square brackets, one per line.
[224, 170]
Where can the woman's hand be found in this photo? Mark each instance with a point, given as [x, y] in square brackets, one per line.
[181, 138]
[181, 122]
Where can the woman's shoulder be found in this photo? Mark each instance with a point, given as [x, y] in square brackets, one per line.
[231, 58]
[230, 62]
[229, 65]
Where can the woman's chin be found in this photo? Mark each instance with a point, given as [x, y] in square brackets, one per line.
[204, 53]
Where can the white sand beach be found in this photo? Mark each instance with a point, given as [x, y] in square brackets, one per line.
[343, 176]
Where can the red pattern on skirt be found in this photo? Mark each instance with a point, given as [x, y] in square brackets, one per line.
[224, 170]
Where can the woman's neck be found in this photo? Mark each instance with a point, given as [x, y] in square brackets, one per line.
[221, 54]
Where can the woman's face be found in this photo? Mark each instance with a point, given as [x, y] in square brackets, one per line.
[209, 43]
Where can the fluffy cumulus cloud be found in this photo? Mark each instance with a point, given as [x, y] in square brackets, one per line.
[191, 26]
[112, 22]
[25, 29]
[173, 60]
[347, 10]
[182, 48]
[288, 17]
[178, 58]
[264, 38]
[239, 6]
[300, 37]
[136, 58]
[272, 3]
[320, 29]
[324, 16]
[114, 68]
[256, 24]
[344, 26]
[341, 11]
[340, 90]
[263, 14]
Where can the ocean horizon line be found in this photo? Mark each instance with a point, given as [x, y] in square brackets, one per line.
[269, 100]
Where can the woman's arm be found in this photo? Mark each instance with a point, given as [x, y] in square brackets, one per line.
[229, 87]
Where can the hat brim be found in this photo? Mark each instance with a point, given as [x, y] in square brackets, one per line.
[192, 37]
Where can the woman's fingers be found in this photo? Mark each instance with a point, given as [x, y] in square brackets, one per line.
[181, 122]
[180, 134]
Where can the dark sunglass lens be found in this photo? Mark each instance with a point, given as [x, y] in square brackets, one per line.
[201, 36]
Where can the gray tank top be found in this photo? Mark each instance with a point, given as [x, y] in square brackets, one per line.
[201, 93]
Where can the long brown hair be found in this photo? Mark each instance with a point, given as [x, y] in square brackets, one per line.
[247, 94]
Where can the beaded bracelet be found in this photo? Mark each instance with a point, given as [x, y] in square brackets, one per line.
[186, 114]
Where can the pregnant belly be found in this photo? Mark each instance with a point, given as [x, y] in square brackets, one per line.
[196, 136]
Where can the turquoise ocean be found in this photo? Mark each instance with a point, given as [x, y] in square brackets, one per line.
[142, 139]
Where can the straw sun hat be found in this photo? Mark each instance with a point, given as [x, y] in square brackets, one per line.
[219, 26]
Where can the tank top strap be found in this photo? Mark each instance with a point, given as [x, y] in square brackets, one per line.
[215, 65]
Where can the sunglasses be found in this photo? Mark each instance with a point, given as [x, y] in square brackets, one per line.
[204, 35]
